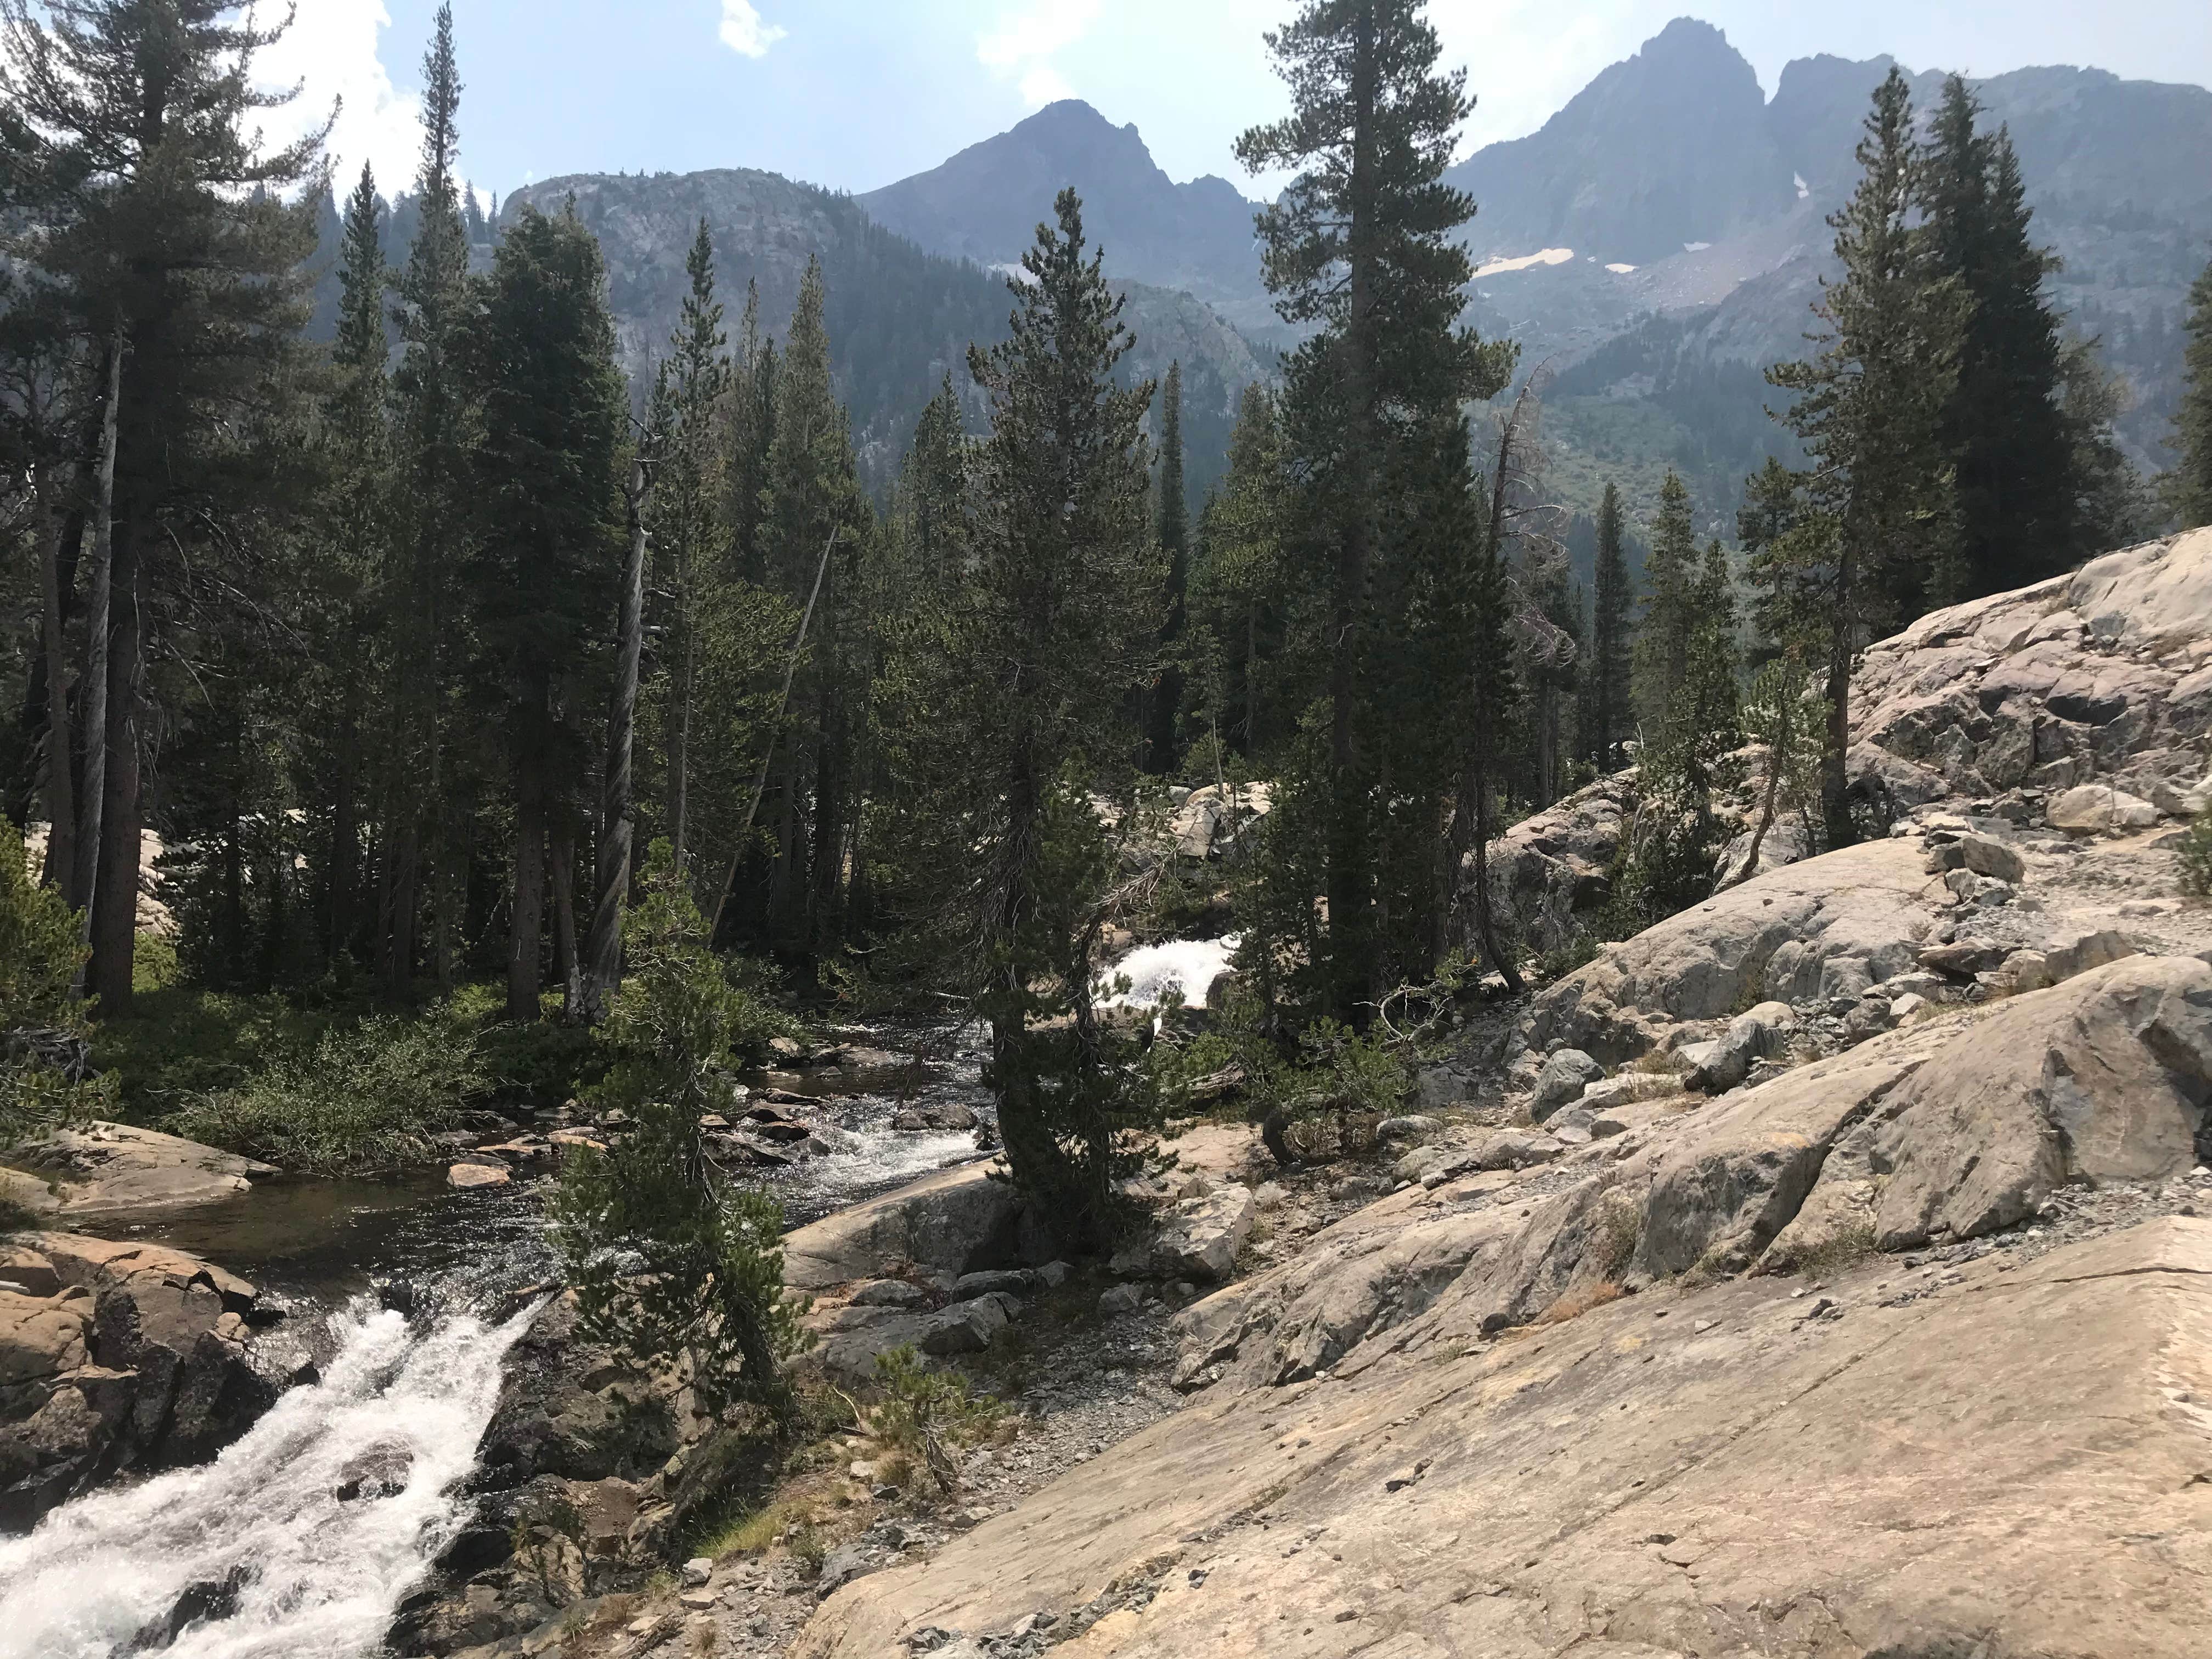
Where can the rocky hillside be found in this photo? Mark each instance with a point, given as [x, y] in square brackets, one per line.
[1819, 1272]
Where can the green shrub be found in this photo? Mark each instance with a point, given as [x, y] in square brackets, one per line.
[363, 1099]
[920, 1403]
[671, 1261]
[2195, 856]
[43, 1080]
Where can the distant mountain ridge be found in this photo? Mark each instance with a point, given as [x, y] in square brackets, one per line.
[985, 204]
[1676, 162]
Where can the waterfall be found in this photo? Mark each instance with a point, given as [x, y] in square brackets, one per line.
[281, 1565]
[1191, 965]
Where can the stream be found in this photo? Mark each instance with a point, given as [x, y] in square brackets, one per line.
[269, 1552]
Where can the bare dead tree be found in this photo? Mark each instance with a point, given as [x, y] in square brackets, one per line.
[617, 811]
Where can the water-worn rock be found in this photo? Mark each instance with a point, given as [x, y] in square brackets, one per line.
[1893, 1444]
[1803, 933]
[2100, 806]
[1561, 1081]
[108, 1170]
[116, 1355]
[1195, 1237]
[959, 1220]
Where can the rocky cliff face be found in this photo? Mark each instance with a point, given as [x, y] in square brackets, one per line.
[1879, 1245]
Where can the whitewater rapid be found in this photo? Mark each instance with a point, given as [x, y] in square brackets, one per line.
[313, 1576]
[1188, 966]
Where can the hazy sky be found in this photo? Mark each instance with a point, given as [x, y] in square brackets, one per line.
[854, 94]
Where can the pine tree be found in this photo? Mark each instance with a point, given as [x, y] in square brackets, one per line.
[1236, 578]
[1670, 611]
[1362, 246]
[554, 417]
[686, 523]
[1877, 518]
[435, 433]
[1009, 687]
[1172, 530]
[161, 221]
[814, 524]
[363, 532]
[2189, 485]
[1606, 680]
[2004, 428]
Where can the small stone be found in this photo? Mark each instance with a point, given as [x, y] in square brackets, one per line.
[1054, 1275]
[476, 1174]
[697, 1571]
[1702, 1326]
[698, 1601]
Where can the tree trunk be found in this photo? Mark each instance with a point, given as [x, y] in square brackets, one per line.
[98, 618]
[603, 951]
[345, 826]
[1349, 878]
[679, 733]
[1835, 776]
[565, 966]
[114, 915]
[525, 918]
[61, 742]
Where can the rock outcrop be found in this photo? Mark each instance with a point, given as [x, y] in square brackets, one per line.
[116, 1356]
[104, 1171]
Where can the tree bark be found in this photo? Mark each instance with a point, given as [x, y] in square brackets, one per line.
[718, 934]
[61, 741]
[562, 870]
[526, 917]
[99, 617]
[114, 915]
[345, 826]
[1350, 926]
[603, 951]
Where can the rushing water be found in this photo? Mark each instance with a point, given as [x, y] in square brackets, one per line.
[259, 1542]
[1187, 966]
[255, 1556]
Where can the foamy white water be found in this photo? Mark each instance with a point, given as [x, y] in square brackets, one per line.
[1190, 965]
[320, 1577]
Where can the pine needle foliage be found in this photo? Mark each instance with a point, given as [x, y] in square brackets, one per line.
[673, 1261]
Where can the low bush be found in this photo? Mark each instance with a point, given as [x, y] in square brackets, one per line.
[2194, 855]
[363, 1099]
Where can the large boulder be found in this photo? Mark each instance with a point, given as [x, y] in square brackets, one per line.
[1680, 1472]
[117, 1355]
[1805, 932]
[957, 1221]
[1560, 1082]
[2092, 678]
[106, 1171]
[1195, 1237]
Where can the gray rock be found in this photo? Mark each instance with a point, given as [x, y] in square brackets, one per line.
[2094, 807]
[964, 1327]
[1512, 1149]
[1122, 1299]
[1054, 1275]
[1014, 1279]
[1412, 1127]
[1561, 1082]
[1981, 854]
[841, 1567]
[697, 1571]
[890, 1293]
[1199, 1238]
[1760, 1033]
[2077, 950]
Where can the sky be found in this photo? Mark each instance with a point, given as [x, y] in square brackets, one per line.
[856, 94]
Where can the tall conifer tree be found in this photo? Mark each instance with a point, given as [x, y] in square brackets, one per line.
[1670, 610]
[2189, 486]
[435, 432]
[1171, 519]
[2004, 427]
[1876, 515]
[1605, 681]
[1362, 244]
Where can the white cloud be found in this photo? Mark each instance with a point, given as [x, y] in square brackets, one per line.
[743, 32]
[332, 48]
[1021, 48]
